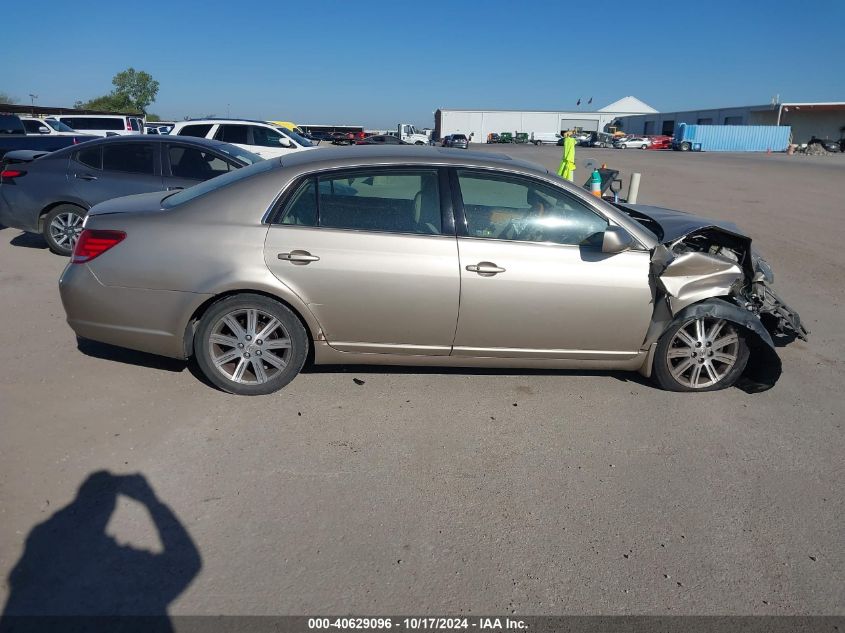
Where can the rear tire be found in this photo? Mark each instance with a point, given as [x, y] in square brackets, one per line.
[61, 228]
[250, 345]
[700, 354]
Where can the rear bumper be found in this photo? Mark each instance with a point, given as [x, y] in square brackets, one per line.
[14, 215]
[151, 321]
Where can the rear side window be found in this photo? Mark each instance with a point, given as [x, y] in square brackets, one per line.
[200, 131]
[233, 134]
[92, 157]
[302, 208]
[94, 123]
[406, 201]
[134, 158]
[196, 164]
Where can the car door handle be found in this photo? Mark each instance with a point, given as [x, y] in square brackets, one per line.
[174, 188]
[85, 176]
[487, 269]
[299, 257]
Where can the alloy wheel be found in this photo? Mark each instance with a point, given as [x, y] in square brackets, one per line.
[65, 229]
[249, 346]
[703, 352]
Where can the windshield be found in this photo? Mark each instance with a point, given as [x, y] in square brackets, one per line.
[296, 137]
[58, 125]
[230, 178]
[246, 156]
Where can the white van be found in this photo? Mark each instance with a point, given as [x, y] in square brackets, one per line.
[264, 139]
[103, 124]
[545, 138]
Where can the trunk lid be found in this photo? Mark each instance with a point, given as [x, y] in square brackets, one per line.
[138, 203]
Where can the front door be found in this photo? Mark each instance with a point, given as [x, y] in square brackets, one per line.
[368, 252]
[534, 282]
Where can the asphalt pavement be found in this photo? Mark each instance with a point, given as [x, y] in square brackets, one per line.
[370, 490]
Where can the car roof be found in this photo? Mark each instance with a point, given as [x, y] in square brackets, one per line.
[142, 138]
[388, 154]
[224, 120]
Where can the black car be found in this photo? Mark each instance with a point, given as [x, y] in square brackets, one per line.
[52, 193]
[319, 135]
[381, 139]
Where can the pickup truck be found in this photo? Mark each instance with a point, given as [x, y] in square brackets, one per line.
[13, 136]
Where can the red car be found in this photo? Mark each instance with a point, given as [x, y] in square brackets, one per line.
[660, 142]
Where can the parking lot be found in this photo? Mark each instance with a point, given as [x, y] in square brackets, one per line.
[390, 490]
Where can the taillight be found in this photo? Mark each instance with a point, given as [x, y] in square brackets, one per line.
[93, 243]
[128, 125]
[11, 173]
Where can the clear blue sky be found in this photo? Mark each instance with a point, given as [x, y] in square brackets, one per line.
[379, 63]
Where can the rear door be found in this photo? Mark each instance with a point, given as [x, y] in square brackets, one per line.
[111, 170]
[374, 258]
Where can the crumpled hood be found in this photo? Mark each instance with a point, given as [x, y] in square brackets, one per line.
[677, 224]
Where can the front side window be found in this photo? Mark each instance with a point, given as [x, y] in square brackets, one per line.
[233, 134]
[196, 164]
[199, 130]
[58, 125]
[396, 201]
[512, 208]
[263, 137]
[32, 126]
[134, 158]
[133, 123]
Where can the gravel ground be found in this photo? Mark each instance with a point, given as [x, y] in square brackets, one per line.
[390, 490]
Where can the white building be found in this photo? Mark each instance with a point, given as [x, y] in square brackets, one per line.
[477, 124]
[823, 120]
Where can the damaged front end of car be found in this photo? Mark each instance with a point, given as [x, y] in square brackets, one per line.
[704, 269]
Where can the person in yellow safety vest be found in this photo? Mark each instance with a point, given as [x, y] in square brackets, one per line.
[567, 163]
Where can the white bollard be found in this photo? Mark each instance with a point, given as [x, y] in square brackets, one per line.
[634, 188]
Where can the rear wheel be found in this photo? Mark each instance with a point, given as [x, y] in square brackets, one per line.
[250, 345]
[700, 354]
[644, 147]
[62, 226]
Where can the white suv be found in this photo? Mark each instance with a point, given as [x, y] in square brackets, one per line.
[103, 124]
[264, 139]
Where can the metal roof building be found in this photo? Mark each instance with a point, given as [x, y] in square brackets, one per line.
[822, 120]
[477, 124]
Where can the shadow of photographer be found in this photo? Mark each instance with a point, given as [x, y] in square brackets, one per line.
[71, 567]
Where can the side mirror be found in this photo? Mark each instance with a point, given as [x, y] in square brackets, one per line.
[43, 130]
[616, 240]
[284, 141]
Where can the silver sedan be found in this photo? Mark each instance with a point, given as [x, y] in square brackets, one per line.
[421, 256]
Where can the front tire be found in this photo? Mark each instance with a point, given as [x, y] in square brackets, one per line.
[700, 354]
[61, 228]
[250, 345]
